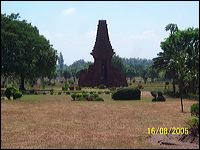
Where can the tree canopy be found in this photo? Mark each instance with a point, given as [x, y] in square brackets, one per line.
[24, 52]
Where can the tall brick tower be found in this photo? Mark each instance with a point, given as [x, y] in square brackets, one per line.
[102, 71]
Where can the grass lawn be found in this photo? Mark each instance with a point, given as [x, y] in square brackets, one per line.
[54, 121]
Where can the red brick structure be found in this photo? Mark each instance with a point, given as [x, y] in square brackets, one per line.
[102, 71]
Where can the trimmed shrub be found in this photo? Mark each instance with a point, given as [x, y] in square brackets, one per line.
[44, 93]
[94, 95]
[154, 94]
[99, 99]
[85, 95]
[195, 110]
[127, 94]
[107, 92]
[158, 96]
[73, 96]
[65, 87]
[68, 93]
[71, 88]
[10, 92]
[51, 91]
[59, 93]
[79, 95]
[99, 92]
[101, 86]
[78, 88]
[17, 94]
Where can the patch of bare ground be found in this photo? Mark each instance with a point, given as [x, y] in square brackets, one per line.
[54, 121]
[175, 141]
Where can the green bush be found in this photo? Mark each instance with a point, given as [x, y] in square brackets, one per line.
[99, 92]
[59, 93]
[91, 92]
[127, 94]
[99, 99]
[68, 93]
[158, 96]
[101, 86]
[79, 95]
[94, 95]
[86, 96]
[78, 88]
[193, 126]
[17, 94]
[51, 91]
[195, 110]
[65, 87]
[71, 88]
[9, 92]
[107, 92]
[73, 96]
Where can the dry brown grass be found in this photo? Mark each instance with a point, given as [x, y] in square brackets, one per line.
[57, 122]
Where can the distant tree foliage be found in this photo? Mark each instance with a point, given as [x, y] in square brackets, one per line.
[118, 63]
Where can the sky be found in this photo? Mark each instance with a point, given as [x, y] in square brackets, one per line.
[135, 28]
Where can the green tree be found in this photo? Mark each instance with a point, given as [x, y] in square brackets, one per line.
[152, 73]
[25, 53]
[179, 50]
[117, 62]
[172, 28]
[61, 63]
[77, 66]
[130, 72]
[67, 74]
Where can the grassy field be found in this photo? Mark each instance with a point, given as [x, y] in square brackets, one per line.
[54, 121]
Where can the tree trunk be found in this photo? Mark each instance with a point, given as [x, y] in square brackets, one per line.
[74, 81]
[145, 80]
[174, 87]
[22, 88]
[181, 94]
[194, 86]
[130, 80]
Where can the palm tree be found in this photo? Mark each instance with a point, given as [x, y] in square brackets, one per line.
[172, 28]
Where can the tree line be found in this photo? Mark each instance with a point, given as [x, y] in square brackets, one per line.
[131, 67]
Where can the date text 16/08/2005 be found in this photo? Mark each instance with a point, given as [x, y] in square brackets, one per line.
[172, 130]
